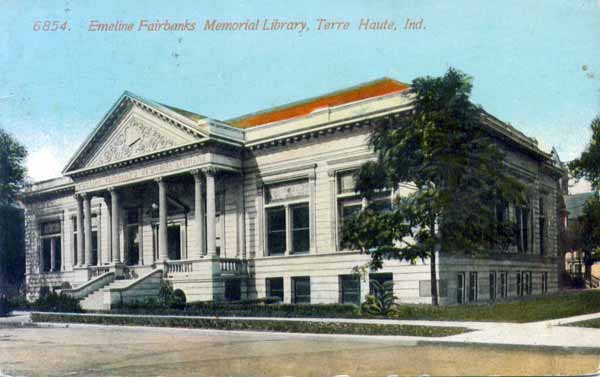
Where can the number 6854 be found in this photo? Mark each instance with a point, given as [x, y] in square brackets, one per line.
[50, 25]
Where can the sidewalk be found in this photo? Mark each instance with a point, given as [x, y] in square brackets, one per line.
[549, 333]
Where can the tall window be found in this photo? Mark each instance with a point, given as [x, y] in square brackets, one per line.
[492, 286]
[527, 283]
[519, 284]
[350, 203]
[287, 218]
[274, 287]
[301, 290]
[276, 230]
[51, 253]
[300, 228]
[542, 225]
[350, 289]
[522, 229]
[460, 288]
[544, 282]
[472, 286]
[503, 284]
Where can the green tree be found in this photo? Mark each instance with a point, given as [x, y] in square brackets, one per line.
[12, 180]
[461, 180]
[587, 166]
[586, 232]
[12, 168]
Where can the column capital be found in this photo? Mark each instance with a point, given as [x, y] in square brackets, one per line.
[160, 180]
[197, 173]
[210, 170]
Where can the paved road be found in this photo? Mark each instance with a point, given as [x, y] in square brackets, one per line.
[133, 351]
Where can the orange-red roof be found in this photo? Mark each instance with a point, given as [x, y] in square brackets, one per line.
[361, 92]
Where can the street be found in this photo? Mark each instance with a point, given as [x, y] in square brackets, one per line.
[81, 350]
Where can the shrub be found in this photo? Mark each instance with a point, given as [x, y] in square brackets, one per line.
[178, 299]
[53, 302]
[5, 307]
[296, 326]
[381, 302]
[243, 309]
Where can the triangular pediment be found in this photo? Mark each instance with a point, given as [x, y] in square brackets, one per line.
[138, 135]
[133, 129]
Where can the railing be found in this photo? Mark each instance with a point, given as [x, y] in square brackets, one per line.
[232, 265]
[96, 271]
[90, 286]
[179, 266]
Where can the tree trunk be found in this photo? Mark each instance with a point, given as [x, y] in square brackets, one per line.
[434, 288]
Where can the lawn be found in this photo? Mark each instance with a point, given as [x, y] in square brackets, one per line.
[592, 323]
[528, 309]
[542, 308]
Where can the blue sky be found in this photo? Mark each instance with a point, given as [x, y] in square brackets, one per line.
[536, 64]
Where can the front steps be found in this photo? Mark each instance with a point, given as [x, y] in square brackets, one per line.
[123, 291]
[95, 300]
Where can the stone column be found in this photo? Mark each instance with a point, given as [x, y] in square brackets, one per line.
[163, 253]
[198, 250]
[211, 233]
[87, 225]
[108, 204]
[63, 238]
[114, 226]
[80, 239]
[52, 254]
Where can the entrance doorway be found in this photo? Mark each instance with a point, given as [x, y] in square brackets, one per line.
[174, 242]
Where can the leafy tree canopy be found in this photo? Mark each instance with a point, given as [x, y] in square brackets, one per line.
[462, 183]
[12, 168]
[588, 164]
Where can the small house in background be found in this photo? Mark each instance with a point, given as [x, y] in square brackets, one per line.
[575, 264]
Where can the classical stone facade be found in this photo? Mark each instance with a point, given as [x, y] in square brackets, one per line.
[252, 207]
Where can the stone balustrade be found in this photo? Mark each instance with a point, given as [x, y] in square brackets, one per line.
[179, 266]
[232, 266]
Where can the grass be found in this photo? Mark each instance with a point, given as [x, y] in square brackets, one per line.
[537, 308]
[253, 325]
[540, 308]
[592, 323]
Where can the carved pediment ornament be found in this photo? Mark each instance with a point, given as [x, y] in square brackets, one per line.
[135, 139]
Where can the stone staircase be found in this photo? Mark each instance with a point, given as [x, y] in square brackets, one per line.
[95, 300]
[123, 291]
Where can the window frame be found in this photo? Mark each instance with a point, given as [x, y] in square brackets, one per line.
[295, 296]
[352, 198]
[344, 291]
[542, 225]
[460, 288]
[473, 295]
[288, 206]
[54, 238]
[503, 284]
[269, 289]
[493, 285]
